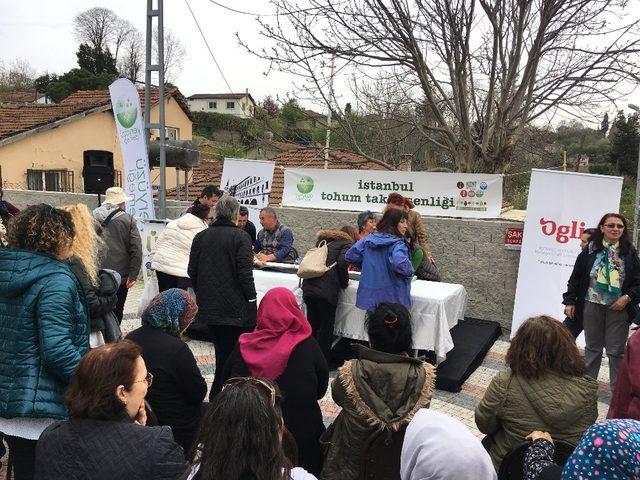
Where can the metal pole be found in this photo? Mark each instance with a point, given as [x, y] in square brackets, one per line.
[637, 200]
[162, 197]
[149, 68]
[177, 183]
[328, 141]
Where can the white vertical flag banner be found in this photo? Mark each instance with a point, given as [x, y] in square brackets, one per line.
[249, 181]
[561, 206]
[127, 113]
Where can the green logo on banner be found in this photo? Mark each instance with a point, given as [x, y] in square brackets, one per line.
[305, 185]
[126, 112]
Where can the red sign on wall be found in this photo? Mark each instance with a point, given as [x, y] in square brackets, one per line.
[513, 238]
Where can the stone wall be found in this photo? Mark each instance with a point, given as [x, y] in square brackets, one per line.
[468, 252]
[24, 198]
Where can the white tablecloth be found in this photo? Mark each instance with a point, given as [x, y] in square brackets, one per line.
[436, 309]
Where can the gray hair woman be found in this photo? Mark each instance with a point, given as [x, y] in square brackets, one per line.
[221, 270]
[227, 209]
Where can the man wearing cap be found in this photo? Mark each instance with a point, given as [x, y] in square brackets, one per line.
[122, 249]
[415, 227]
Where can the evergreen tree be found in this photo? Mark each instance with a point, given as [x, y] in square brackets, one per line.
[604, 126]
[96, 60]
[624, 140]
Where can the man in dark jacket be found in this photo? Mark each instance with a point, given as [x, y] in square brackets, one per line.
[221, 270]
[209, 197]
[321, 293]
[245, 224]
[122, 249]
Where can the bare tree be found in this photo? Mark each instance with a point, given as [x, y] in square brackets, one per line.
[122, 31]
[96, 27]
[17, 75]
[174, 54]
[477, 71]
[131, 61]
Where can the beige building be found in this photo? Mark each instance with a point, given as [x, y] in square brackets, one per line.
[239, 104]
[46, 147]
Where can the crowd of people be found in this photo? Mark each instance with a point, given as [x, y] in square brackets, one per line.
[79, 401]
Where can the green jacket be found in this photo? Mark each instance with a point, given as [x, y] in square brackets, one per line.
[44, 330]
[513, 407]
[378, 391]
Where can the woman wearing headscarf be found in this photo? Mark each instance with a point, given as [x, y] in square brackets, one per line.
[178, 388]
[609, 450]
[439, 447]
[282, 349]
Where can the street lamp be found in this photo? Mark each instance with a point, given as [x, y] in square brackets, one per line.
[636, 109]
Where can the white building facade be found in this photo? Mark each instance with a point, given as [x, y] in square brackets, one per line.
[239, 104]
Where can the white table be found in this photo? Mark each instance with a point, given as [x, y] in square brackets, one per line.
[436, 309]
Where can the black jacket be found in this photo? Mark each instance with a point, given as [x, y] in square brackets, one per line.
[328, 286]
[106, 450]
[251, 230]
[98, 305]
[303, 382]
[579, 281]
[178, 386]
[221, 269]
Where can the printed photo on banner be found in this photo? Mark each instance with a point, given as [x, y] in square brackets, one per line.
[249, 181]
[558, 212]
[433, 193]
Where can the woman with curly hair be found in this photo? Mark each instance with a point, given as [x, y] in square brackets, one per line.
[83, 262]
[44, 328]
[545, 389]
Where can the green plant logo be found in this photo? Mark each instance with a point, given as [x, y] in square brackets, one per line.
[305, 185]
[126, 112]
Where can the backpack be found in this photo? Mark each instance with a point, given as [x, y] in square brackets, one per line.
[314, 262]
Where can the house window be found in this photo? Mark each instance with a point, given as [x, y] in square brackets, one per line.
[172, 133]
[213, 104]
[231, 105]
[50, 180]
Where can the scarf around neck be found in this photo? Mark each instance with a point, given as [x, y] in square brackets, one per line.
[280, 327]
[608, 275]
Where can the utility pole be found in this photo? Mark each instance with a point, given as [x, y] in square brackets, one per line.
[328, 141]
[636, 109]
[150, 67]
[564, 161]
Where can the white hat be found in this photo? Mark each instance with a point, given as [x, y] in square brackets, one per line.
[116, 196]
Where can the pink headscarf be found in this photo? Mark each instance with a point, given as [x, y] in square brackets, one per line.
[280, 326]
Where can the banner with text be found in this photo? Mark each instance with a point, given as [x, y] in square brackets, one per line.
[249, 181]
[561, 206]
[474, 195]
[127, 113]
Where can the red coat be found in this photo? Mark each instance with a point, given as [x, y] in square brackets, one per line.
[625, 401]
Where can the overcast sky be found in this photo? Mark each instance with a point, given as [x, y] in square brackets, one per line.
[40, 31]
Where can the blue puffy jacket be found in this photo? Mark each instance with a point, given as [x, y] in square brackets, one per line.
[44, 330]
[386, 270]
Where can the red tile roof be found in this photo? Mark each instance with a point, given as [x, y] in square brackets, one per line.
[104, 97]
[20, 97]
[303, 157]
[19, 118]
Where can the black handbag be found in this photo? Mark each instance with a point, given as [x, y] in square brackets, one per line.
[428, 271]
[112, 332]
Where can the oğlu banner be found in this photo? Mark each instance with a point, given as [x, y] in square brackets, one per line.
[561, 206]
[433, 193]
[127, 113]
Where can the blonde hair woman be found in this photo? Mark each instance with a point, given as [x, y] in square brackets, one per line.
[85, 246]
